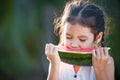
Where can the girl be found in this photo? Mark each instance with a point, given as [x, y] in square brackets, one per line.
[82, 25]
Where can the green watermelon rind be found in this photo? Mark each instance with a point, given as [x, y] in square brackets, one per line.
[76, 58]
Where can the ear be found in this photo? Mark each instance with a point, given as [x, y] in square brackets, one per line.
[99, 37]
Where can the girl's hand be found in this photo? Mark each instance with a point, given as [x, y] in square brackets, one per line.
[100, 59]
[51, 52]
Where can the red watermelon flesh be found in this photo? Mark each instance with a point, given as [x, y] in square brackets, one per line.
[83, 50]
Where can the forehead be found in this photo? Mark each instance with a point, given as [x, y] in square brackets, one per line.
[77, 29]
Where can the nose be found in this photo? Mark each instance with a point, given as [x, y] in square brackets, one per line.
[75, 44]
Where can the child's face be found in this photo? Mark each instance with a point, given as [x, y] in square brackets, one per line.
[77, 36]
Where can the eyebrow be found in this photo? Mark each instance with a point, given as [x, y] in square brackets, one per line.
[82, 36]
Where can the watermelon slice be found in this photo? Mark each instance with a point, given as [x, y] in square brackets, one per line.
[81, 57]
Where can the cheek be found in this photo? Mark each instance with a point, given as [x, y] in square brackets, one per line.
[66, 42]
[89, 44]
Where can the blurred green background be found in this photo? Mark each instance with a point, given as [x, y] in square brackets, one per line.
[27, 25]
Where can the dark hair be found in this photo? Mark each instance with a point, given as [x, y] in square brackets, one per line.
[83, 13]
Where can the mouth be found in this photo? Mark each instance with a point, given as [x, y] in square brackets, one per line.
[69, 48]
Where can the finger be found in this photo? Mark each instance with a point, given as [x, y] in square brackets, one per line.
[56, 51]
[56, 48]
[46, 49]
[94, 56]
[51, 48]
[98, 53]
[102, 54]
[109, 60]
[106, 52]
[93, 53]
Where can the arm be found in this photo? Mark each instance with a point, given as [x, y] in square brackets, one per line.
[103, 64]
[51, 52]
[53, 72]
[110, 69]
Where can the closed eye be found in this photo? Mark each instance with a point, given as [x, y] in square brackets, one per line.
[69, 37]
[82, 40]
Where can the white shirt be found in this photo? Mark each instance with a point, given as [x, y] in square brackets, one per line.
[84, 73]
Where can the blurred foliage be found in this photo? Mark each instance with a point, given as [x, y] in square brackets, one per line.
[22, 32]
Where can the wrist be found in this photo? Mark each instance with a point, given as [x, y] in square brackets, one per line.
[101, 75]
[53, 63]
